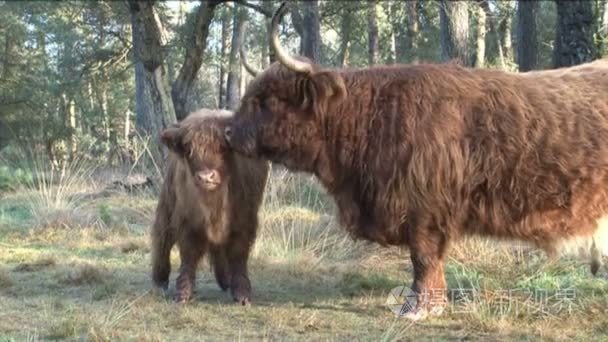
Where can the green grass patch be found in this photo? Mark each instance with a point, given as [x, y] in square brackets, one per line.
[86, 276]
[354, 284]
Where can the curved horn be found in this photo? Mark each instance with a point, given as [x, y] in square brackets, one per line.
[281, 54]
[250, 68]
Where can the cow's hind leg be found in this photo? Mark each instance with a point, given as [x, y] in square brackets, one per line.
[427, 250]
[221, 269]
[191, 250]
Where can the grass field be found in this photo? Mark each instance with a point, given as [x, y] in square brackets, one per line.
[74, 265]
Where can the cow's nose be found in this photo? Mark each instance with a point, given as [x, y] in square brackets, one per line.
[228, 133]
[208, 176]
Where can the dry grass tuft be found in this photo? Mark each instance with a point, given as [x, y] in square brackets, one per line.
[5, 279]
[310, 280]
[296, 220]
[54, 194]
[86, 274]
[133, 246]
[36, 265]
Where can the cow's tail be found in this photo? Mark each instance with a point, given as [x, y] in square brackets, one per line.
[591, 248]
[596, 257]
[599, 245]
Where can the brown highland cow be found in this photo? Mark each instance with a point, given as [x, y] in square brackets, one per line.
[419, 155]
[208, 203]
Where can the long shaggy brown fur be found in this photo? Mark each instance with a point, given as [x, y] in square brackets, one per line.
[208, 203]
[419, 155]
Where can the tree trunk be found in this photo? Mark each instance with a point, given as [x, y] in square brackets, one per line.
[480, 52]
[311, 40]
[181, 20]
[90, 97]
[234, 66]
[527, 41]
[412, 29]
[267, 50]
[127, 129]
[154, 106]
[605, 19]
[389, 10]
[102, 100]
[493, 30]
[372, 32]
[454, 18]
[70, 125]
[223, 64]
[196, 45]
[298, 25]
[242, 81]
[345, 36]
[574, 33]
[506, 31]
[603, 31]
[10, 51]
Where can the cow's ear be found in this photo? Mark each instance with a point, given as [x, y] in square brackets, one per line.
[322, 91]
[173, 138]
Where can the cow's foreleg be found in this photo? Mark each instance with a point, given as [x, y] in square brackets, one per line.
[427, 250]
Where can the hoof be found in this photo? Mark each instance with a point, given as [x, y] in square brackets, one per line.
[415, 315]
[240, 288]
[224, 286]
[181, 299]
[244, 301]
[419, 314]
[405, 303]
[161, 286]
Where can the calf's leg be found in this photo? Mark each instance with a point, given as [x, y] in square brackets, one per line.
[162, 242]
[238, 255]
[191, 250]
[219, 261]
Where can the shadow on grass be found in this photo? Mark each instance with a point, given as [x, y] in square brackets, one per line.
[273, 284]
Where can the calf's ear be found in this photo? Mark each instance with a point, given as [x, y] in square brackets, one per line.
[173, 138]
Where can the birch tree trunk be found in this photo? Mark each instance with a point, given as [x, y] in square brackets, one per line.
[480, 52]
[223, 64]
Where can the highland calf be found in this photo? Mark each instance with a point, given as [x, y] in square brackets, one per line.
[420, 155]
[208, 203]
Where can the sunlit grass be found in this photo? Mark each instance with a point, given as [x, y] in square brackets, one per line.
[87, 276]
